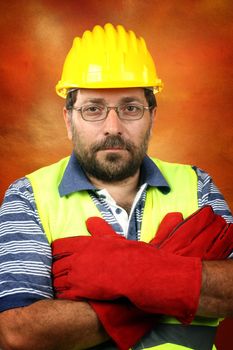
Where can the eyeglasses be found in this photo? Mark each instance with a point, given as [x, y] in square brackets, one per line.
[96, 112]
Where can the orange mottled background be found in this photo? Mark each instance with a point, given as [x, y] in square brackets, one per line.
[191, 42]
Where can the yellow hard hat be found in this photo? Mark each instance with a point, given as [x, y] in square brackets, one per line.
[108, 57]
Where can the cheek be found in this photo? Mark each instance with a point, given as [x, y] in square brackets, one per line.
[83, 137]
[142, 132]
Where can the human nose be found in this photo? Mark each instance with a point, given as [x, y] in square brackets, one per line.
[112, 123]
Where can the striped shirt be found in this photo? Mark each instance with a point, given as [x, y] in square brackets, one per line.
[25, 254]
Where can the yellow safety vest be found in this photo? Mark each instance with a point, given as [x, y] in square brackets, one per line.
[65, 217]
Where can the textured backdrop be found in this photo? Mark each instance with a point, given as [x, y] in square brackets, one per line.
[191, 42]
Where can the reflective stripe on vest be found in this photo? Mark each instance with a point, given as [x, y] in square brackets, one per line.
[66, 216]
[181, 336]
[173, 337]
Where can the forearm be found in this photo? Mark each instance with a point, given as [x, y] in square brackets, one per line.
[51, 324]
[216, 298]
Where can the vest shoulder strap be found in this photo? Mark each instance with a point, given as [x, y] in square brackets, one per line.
[182, 196]
[60, 216]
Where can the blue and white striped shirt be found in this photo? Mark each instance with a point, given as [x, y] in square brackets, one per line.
[25, 255]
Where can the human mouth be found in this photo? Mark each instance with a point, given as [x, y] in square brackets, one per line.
[113, 149]
[112, 144]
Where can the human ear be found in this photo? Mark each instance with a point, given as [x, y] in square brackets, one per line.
[67, 118]
[153, 114]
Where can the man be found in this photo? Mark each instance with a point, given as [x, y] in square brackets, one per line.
[108, 288]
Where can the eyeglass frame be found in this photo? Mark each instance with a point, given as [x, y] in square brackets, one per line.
[107, 110]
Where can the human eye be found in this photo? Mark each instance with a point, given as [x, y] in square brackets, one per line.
[131, 109]
[92, 111]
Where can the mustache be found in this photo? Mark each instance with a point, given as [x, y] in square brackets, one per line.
[113, 141]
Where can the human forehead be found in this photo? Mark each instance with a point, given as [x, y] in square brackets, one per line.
[111, 96]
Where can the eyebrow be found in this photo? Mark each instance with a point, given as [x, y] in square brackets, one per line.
[131, 99]
[126, 99]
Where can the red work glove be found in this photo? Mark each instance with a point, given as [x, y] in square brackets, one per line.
[108, 269]
[125, 323]
[204, 234]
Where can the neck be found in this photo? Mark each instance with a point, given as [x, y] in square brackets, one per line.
[123, 192]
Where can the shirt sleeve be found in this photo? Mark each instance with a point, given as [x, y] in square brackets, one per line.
[209, 194]
[25, 254]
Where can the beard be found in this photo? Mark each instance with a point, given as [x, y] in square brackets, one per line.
[112, 166]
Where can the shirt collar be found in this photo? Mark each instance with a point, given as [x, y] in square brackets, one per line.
[75, 180]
